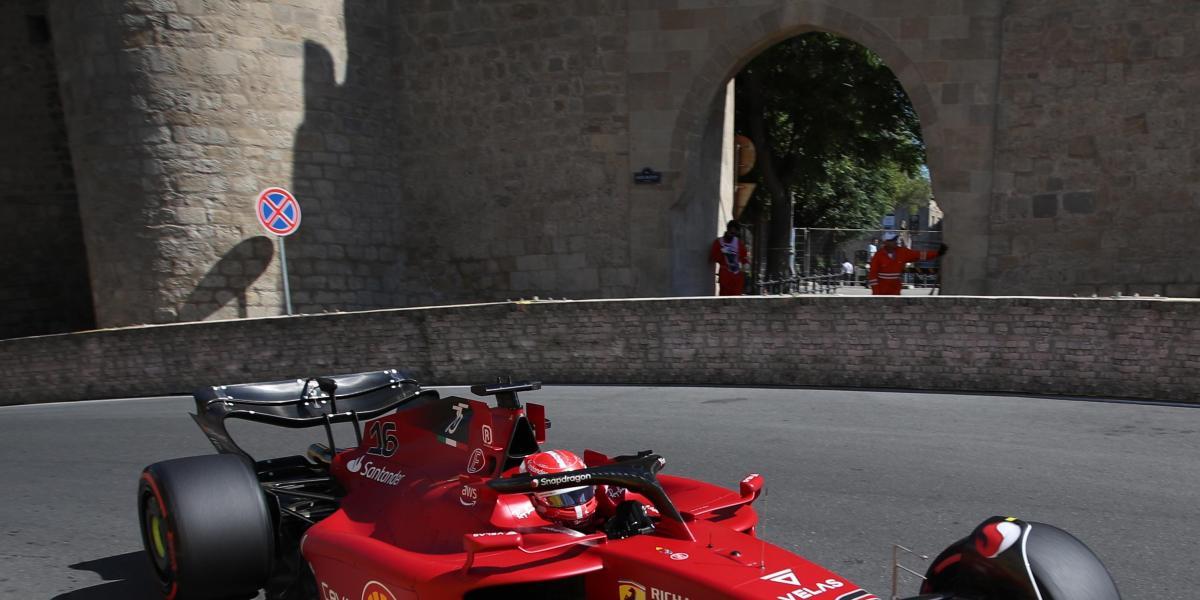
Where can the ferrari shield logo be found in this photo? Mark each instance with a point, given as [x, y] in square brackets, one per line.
[376, 591]
[630, 590]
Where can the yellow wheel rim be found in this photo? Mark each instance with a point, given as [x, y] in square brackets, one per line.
[156, 534]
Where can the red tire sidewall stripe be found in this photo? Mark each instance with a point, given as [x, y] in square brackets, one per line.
[162, 507]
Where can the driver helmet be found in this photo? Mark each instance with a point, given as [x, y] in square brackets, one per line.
[571, 506]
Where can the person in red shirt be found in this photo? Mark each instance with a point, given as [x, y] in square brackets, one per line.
[887, 265]
[730, 254]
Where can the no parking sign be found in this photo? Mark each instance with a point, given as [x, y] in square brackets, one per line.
[279, 213]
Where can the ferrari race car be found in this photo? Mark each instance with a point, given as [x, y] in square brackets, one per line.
[433, 501]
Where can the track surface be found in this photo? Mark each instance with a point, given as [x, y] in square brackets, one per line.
[849, 472]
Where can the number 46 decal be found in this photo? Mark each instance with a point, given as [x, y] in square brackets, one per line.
[383, 436]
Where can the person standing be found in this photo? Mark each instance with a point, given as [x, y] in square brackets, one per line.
[887, 265]
[848, 272]
[730, 254]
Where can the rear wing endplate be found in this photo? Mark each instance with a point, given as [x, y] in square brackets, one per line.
[301, 403]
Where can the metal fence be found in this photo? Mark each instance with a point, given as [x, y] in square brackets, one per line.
[820, 255]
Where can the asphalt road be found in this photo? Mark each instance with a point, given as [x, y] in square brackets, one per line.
[849, 472]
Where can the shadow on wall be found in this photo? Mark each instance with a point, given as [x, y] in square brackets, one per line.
[128, 576]
[695, 221]
[237, 270]
[349, 253]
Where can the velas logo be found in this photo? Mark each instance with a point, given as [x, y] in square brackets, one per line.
[377, 591]
[785, 576]
[802, 592]
[630, 590]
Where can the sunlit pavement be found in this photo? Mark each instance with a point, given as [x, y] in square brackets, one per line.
[849, 472]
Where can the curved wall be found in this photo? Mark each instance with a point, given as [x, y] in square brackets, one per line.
[475, 151]
[1135, 348]
[178, 113]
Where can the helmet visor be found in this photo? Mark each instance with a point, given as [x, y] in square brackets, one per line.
[569, 498]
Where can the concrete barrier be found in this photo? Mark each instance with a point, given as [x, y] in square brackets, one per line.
[1126, 348]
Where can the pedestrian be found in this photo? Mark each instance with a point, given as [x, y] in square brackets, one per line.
[888, 264]
[872, 248]
[848, 271]
[730, 254]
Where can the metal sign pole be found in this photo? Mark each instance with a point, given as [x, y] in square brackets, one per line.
[279, 213]
[287, 292]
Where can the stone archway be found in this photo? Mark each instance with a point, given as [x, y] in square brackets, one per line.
[947, 62]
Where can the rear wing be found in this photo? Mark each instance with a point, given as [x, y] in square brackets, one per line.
[299, 403]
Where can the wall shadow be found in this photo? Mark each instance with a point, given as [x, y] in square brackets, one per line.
[241, 266]
[348, 255]
[47, 287]
[127, 576]
[695, 223]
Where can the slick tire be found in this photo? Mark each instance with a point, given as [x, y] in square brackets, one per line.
[206, 527]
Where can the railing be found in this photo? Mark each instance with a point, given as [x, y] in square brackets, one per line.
[819, 254]
[813, 284]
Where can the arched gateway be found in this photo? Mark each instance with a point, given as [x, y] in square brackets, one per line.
[488, 152]
[947, 63]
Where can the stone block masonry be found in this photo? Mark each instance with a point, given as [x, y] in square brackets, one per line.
[45, 287]
[1123, 348]
[454, 152]
[1096, 149]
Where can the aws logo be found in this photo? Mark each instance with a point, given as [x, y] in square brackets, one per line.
[630, 590]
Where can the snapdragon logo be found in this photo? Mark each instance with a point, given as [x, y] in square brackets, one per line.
[560, 479]
[370, 471]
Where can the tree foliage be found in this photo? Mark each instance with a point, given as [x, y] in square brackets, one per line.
[834, 130]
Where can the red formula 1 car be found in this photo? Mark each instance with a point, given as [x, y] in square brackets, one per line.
[433, 502]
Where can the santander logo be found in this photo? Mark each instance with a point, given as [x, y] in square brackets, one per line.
[372, 472]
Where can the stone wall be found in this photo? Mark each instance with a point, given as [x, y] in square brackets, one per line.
[1098, 149]
[946, 54]
[351, 252]
[179, 112]
[45, 287]
[513, 142]
[476, 151]
[1145, 349]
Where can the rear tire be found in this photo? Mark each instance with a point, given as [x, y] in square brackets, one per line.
[206, 527]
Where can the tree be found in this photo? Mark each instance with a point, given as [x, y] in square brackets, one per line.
[837, 136]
